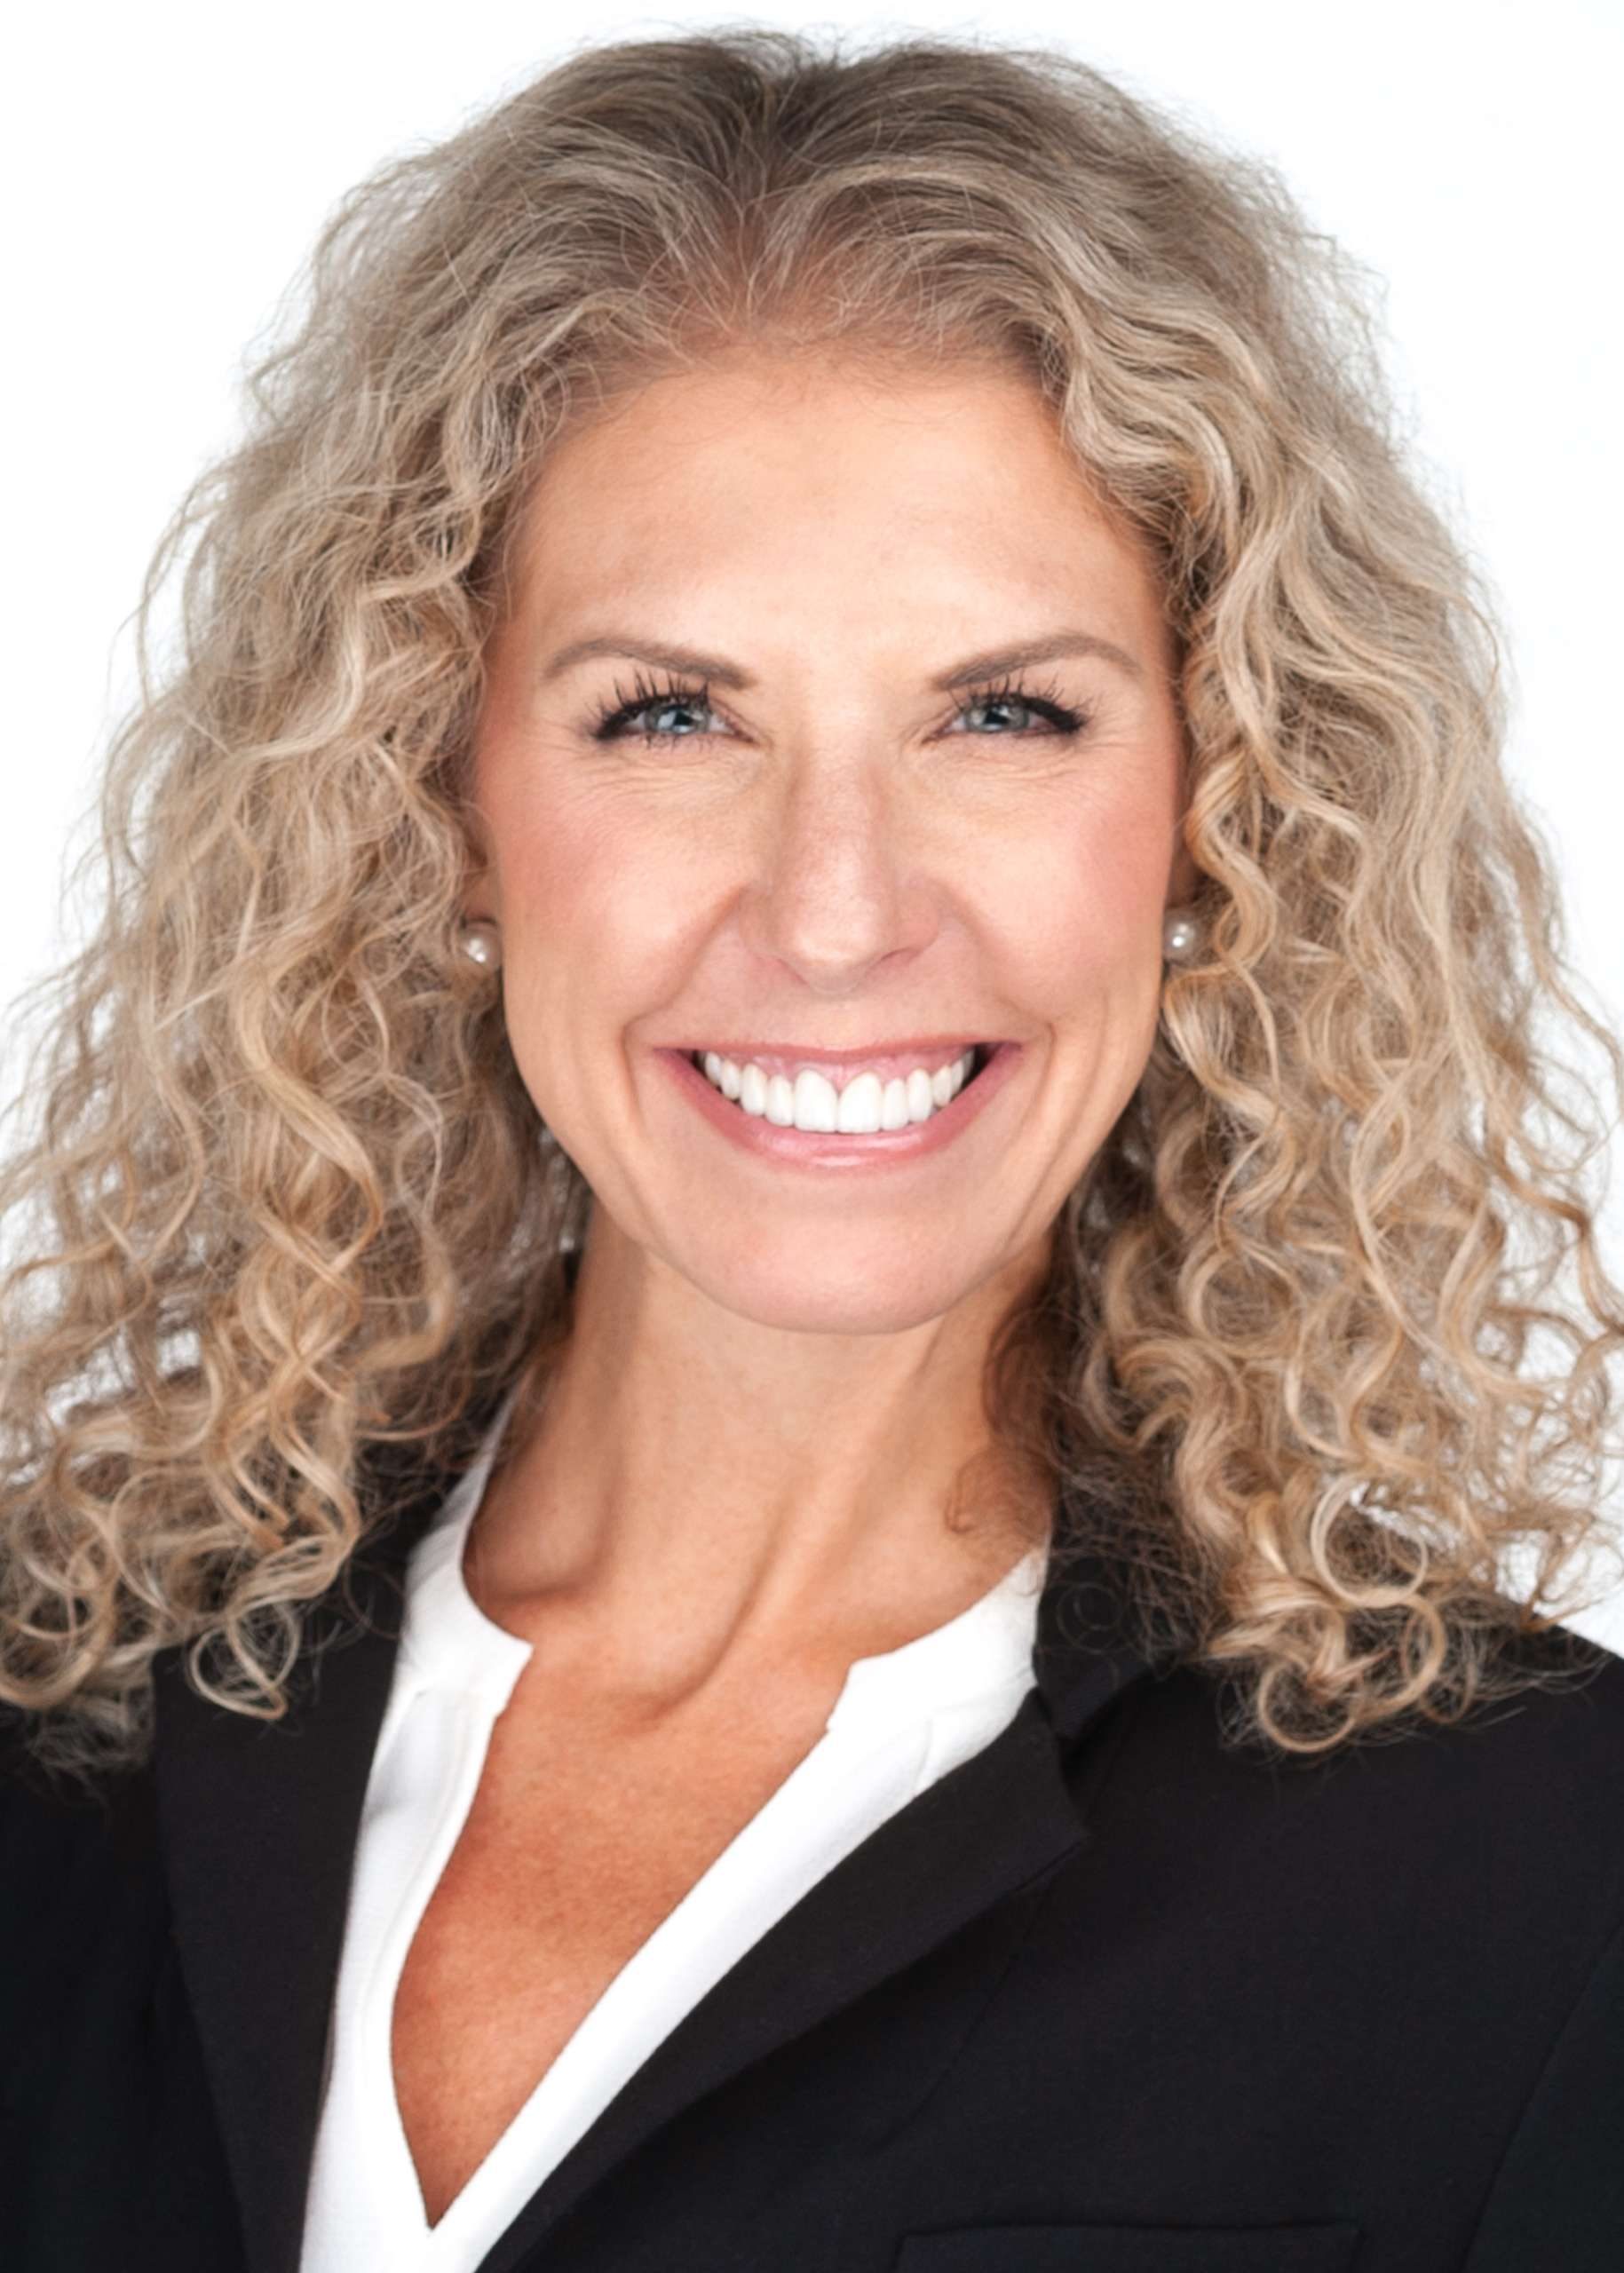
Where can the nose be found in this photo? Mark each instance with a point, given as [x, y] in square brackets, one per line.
[839, 889]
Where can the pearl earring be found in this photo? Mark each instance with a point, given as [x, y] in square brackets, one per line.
[1181, 935]
[481, 943]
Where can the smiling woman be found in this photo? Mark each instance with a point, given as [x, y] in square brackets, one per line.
[805, 1092]
[869, 852]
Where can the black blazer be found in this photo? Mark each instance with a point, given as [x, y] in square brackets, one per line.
[1105, 1999]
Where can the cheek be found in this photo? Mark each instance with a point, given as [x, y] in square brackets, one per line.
[1077, 909]
[578, 881]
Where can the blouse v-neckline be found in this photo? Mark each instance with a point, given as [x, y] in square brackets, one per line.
[902, 1719]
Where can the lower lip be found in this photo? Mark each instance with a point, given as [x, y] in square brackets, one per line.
[835, 1149]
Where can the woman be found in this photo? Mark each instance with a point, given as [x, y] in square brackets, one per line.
[763, 1520]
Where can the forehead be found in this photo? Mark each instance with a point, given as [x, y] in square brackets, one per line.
[751, 472]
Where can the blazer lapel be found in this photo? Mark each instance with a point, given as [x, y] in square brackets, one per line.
[1000, 1819]
[259, 1823]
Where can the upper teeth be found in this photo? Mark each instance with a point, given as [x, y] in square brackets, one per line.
[864, 1105]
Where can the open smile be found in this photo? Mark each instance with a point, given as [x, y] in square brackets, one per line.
[890, 1119]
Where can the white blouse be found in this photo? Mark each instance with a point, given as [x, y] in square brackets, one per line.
[902, 1720]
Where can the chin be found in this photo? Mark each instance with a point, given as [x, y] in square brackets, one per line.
[823, 1285]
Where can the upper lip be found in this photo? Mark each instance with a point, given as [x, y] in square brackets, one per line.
[912, 1042]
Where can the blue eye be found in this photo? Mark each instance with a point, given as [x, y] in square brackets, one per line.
[1009, 694]
[615, 719]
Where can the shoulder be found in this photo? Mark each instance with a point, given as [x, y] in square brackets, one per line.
[1543, 1760]
[1407, 1953]
[58, 1830]
[1552, 1733]
[1433, 1859]
[79, 1856]
[84, 1926]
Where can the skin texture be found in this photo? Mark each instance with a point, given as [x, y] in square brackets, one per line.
[742, 1461]
[734, 1484]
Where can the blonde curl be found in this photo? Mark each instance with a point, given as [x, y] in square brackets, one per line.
[284, 1203]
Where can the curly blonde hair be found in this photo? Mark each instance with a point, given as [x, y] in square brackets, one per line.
[286, 1200]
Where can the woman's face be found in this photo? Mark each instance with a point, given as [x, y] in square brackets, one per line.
[837, 833]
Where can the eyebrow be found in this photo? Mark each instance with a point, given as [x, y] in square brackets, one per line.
[991, 665]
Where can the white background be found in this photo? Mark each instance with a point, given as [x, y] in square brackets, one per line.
[166, 167]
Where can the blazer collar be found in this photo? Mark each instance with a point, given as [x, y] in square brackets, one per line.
[258, 1824]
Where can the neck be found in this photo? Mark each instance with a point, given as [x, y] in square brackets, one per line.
[687, 1498]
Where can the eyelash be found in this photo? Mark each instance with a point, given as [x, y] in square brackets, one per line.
[613, 716]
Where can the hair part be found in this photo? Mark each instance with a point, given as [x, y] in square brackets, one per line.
[287, 1204]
